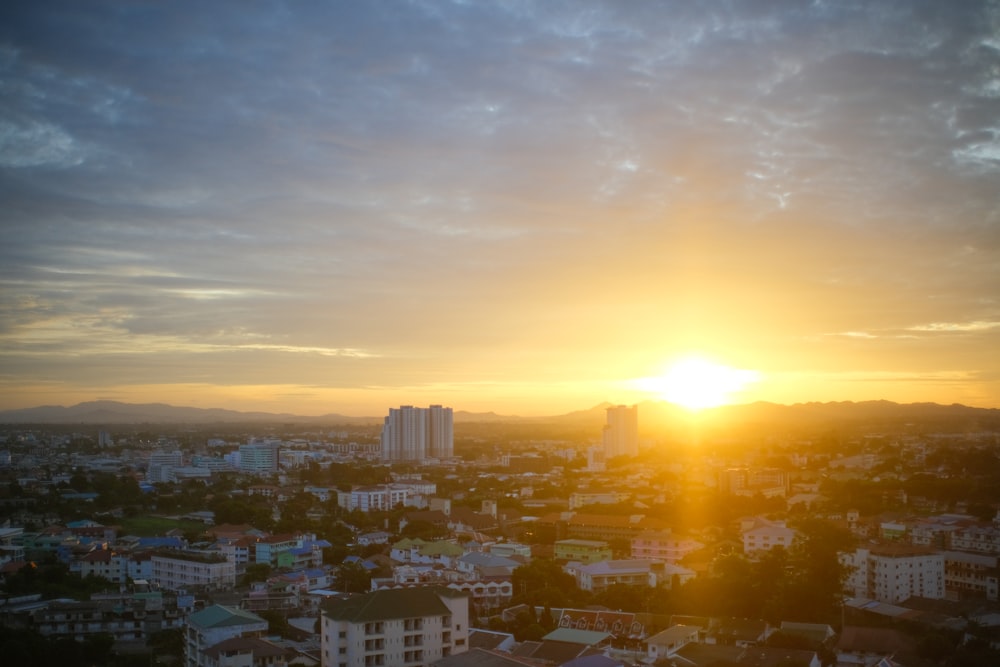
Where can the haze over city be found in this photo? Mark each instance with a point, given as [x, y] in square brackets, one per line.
[520, 207]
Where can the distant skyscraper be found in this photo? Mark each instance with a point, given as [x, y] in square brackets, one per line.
[259, 457]
[621, 434]
[414, 434]
[440, 432]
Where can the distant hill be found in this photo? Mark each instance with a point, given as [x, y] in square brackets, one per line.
[652, 415]
[114, 412]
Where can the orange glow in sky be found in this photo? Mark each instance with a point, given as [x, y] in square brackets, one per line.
[509, 207]
[696, 383]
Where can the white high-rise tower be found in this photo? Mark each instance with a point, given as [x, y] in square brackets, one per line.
[621, 434]
[414, 434]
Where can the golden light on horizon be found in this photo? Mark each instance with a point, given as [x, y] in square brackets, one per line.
[696, 383]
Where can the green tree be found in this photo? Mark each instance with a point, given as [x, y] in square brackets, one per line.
[352, 577]
[543, 582]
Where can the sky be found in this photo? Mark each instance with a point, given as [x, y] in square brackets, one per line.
[519, 207]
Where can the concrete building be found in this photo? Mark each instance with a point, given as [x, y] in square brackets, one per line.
[129, 619]
[161, 465]
[663, 545]
[761, 535]
[893, 573]
[373, 498]
[621, 433]
[180, 570]
[642, 573]
[212, 626]
[259, 457]
[971, 575]
[582, 551]
[415, 434]
[386, 628]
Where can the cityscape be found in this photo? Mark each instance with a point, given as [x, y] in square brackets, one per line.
[545, 333]
[860, 534]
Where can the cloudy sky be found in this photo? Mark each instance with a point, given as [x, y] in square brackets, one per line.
[525, 207]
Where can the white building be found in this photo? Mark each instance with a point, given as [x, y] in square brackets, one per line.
[259, 457]
[386, 628]
[663, 545]
[645, 573]
[161, 465]
[373, 498]
[894, 573]
[761, 535]
[184, 570]
[415, 434]
[621, 433]
[11, 544]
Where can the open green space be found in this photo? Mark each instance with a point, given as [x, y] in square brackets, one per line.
[151, 526]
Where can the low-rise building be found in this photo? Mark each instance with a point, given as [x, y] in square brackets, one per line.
[663, 545]
[386, 628]
[893, 573]
[761, 535]
[214, 625]
[582, 551]
[644, 573]
[182, 570]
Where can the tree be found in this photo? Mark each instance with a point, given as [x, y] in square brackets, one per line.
[256, 572]
[543, 582]
[352, 577]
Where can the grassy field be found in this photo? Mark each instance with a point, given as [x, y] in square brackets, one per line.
[151, 526]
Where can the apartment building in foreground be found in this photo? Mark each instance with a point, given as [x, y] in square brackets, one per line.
[405, 627]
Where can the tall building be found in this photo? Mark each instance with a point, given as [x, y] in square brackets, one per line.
[621, 433]
[259, 457]
[414, 434]
[441, 434]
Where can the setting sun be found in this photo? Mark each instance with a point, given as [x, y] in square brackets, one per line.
[696, 383]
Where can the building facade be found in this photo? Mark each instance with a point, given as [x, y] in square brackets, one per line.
[415, 434]
[212, 626]
[582, 551]
[621, 433]
[406, 627]
[663, 545]
[894, 573]
[183, 570]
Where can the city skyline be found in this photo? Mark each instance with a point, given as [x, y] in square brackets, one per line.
[523, 208]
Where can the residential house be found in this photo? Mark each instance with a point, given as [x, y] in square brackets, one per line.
[645, 573]
[666, 643]
[761, 535]
[868, 647]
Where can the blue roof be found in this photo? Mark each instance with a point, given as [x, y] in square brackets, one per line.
[156, 542]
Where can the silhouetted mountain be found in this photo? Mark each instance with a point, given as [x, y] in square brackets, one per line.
[114, 412]
[652, 415]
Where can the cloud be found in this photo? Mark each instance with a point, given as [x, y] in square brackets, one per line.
[481, 179]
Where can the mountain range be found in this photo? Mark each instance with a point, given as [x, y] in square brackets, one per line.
[651, 412]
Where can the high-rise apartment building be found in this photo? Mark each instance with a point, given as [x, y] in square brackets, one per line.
[259, 457]
[414, 434]
[621, 433]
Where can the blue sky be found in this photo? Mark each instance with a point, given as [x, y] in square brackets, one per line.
[521, 206]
